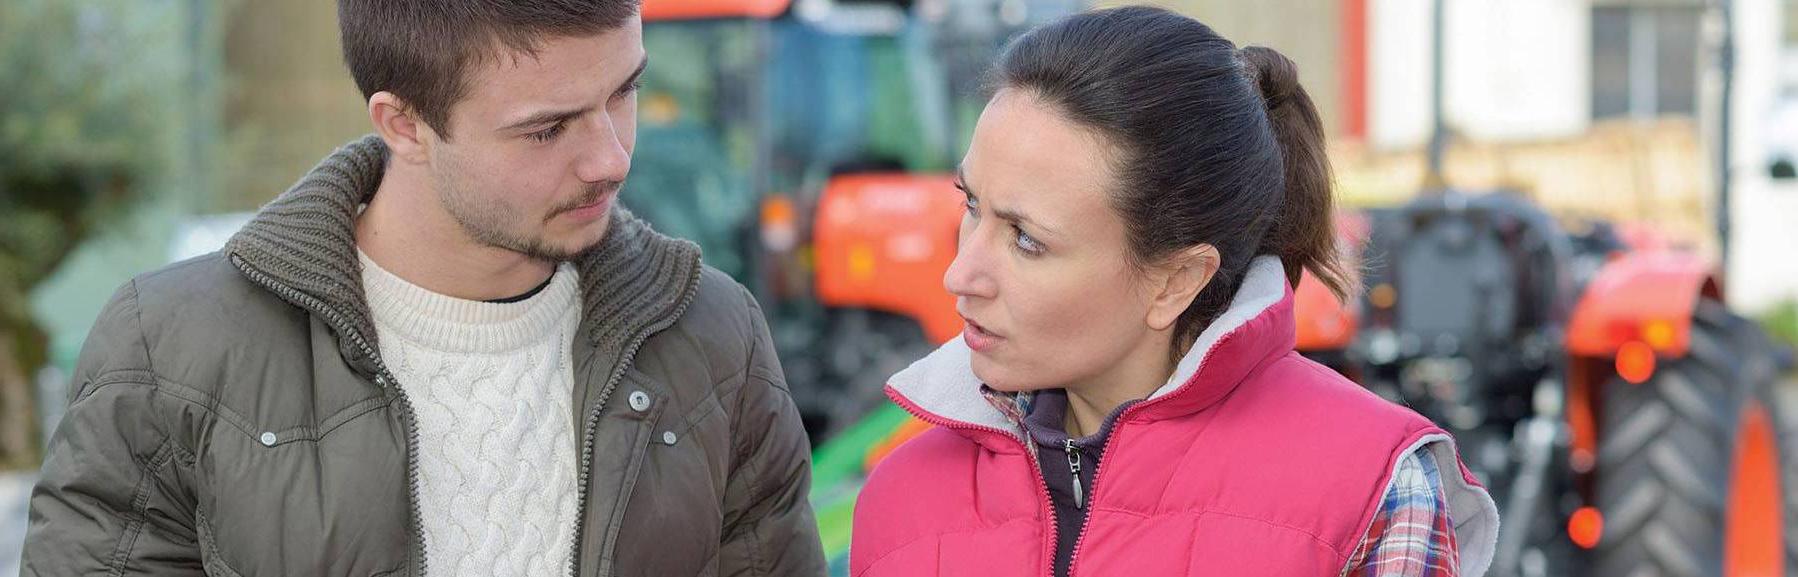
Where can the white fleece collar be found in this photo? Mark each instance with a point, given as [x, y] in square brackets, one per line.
[944, 384]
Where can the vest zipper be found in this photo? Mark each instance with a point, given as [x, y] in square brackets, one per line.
[1117, 428]
[1074, 556]
[1074, 468]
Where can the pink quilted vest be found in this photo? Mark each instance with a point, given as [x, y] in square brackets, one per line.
[1251, 460]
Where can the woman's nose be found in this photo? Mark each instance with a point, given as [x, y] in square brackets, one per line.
[968, 274]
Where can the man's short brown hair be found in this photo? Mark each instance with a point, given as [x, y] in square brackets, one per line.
[422, 50]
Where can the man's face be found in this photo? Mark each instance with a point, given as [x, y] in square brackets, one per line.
[541, 144]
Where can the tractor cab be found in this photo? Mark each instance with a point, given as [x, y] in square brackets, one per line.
[1468, 298]
[806, 146]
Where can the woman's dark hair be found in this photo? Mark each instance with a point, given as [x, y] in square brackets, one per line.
[1214, 145]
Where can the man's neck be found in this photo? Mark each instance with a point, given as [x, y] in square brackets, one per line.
[407, 232]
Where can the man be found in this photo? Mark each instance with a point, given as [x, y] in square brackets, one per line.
[445, 351]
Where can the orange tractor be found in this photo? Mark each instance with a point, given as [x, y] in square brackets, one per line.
[1621, 414]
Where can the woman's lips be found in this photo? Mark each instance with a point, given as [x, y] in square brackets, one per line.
[977, 336]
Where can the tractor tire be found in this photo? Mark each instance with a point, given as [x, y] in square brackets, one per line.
[1764, 452]
[1779, 398]
[863, 349]
[1667, 448]
[1783, 402]
[1785, 418]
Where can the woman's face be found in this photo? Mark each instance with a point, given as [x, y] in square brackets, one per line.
[1043, 277]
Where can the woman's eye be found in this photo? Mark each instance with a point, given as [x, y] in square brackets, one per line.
[1027, 243]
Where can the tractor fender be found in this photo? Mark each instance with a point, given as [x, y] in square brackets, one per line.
[1647, 297]
[1324, 323]
[882, 241]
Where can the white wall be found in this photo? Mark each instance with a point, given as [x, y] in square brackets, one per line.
[1763, 267]
[1398, 71]
[1516, 69]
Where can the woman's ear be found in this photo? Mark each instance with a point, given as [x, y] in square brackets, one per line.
[1178, 281]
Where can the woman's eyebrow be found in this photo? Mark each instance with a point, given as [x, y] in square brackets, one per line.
[1006, 214]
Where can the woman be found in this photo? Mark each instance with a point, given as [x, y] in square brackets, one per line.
[1141, 197]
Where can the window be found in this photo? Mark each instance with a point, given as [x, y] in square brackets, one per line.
[1791, 27]
[1645, 60]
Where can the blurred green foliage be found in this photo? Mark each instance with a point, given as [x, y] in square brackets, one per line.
[1782, 322]
[88, 90]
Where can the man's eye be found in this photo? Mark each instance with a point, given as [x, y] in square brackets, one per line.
[547, 134]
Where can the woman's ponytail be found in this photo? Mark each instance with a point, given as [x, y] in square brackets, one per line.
[1304, 232]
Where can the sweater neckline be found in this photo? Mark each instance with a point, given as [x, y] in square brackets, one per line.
[449, 324]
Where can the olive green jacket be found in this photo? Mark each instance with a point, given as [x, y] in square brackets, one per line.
[231, 415]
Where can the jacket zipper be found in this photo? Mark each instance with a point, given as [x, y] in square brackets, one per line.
[1074, 468]
[1047, 555]
[383, 379]
[592, 424]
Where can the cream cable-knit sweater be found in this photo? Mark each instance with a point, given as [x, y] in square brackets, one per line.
[492, 386]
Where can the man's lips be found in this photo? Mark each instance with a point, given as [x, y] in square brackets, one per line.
[591, 210]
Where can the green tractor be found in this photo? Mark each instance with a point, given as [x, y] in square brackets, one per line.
[806, 145]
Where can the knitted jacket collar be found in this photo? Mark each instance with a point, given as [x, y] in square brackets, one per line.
[302, 247]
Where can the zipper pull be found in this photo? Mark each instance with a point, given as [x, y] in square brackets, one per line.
[1074, 467]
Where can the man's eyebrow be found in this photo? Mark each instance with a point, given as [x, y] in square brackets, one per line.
[557, 116]
[635, 76]
[546, 117]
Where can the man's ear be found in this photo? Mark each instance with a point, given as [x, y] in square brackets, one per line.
[408, 139]
[1177, 282]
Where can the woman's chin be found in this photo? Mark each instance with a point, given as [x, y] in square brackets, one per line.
[996, 377]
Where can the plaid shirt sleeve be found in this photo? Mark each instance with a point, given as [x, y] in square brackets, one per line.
[1412, 535]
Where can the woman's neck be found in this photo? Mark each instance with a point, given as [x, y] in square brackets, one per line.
[1136, 376]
